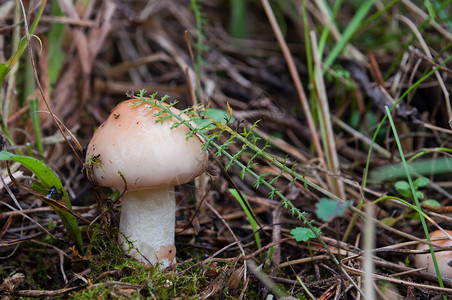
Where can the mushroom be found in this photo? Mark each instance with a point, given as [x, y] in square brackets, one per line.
[136, 152]
[444, 258]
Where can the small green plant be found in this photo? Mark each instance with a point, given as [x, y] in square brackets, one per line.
[51, 189]
[404, 189]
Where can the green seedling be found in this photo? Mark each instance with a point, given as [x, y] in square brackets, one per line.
[404, 189]
[50, 186]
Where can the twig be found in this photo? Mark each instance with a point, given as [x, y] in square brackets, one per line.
[295, 77]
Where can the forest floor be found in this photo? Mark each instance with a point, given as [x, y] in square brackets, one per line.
[329, 148]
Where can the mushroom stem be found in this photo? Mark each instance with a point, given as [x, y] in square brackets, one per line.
[147, 225]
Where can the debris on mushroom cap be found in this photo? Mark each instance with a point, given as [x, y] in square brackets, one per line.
[131, 146]
[444, 258]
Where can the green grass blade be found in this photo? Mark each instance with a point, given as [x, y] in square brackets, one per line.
[424, 167]
[430, 9]
[56, 53]
[5, 68]
[380, 125]
[34, 107]
[252, 221]
[374, 137]
[307, 42]
[413, 191]
[440, 9]
[48, 180]
[349, 31]
[237, 23]
[327, 28]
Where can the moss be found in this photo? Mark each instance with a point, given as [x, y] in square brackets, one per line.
[116, 275]
[133, 280]
[91, 293]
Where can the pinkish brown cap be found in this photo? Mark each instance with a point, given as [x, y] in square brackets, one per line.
[148, 154]
[444, 258]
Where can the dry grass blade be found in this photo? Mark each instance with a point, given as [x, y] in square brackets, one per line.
[74, 82]
[429, 55]
[27, 217]
[419, 13]
[80, 39]
[295, 77]
[325, 120]
[369, 245]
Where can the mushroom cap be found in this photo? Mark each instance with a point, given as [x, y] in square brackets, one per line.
[444, 258]
[132, 146]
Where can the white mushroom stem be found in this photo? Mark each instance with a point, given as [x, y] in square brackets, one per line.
[147, 225]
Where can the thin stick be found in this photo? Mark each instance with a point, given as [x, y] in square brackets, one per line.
[295, 77]
[429, 55]
[369, 244]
